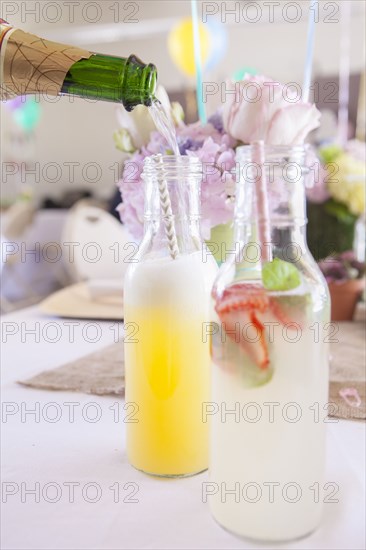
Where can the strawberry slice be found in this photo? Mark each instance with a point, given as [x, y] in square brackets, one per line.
[238, 307]
[278, 312]
[291, 310]
[244, 296]
[264, 360]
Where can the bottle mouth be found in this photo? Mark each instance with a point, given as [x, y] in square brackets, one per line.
[182, 176]
[152, 80]
[172, 167]
[275, 153]
[143, 90]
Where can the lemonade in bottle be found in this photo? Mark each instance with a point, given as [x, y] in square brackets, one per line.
[168, 300]
[269, 347]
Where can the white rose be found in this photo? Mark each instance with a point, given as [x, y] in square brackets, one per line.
[260, 110]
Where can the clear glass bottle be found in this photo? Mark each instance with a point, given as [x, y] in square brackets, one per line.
[166, 304]
[269, 362]
[359, 241]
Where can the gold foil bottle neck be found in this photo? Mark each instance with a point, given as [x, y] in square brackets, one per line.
[33, 65]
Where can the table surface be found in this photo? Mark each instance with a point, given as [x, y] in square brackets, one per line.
[71, 453]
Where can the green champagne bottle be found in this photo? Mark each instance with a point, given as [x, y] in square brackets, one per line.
[128, 81]
[31, 65]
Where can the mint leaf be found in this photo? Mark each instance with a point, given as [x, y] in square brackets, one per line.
[280, 275]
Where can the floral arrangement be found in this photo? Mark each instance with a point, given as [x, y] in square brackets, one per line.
[337, 200]
[210, 143]
[342, 180]
[342, 267]
[254, 108]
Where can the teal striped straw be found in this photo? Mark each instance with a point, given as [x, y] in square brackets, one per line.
[198, 64]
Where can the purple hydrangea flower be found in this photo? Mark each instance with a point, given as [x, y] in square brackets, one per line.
[189, 145]
[217, 122]
[342, 267]
[216, 151]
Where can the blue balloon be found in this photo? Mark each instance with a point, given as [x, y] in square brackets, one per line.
[219, 43]
[240, 73]
[28, 114]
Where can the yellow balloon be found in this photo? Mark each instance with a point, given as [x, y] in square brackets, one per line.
[181, 46]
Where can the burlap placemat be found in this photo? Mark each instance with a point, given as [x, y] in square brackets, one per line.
[347, 386]
[102, 372]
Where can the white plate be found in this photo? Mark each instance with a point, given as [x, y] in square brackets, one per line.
[77, 302]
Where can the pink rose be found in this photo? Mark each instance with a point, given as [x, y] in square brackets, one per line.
[262, 109]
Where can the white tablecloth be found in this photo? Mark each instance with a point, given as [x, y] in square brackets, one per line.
[131, 510]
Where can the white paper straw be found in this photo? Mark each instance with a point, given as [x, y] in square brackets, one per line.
[166, 207]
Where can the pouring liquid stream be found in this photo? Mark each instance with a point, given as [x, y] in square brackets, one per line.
[164, 125]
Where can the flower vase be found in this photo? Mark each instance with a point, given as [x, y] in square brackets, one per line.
[344, 297]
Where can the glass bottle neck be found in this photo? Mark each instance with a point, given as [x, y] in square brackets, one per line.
[172, 199]
[109, 78]
[284, 195]
[285, 242]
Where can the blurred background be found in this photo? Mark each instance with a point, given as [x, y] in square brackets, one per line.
[56, 152]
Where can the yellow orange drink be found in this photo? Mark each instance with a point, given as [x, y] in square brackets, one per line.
[167, 364]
